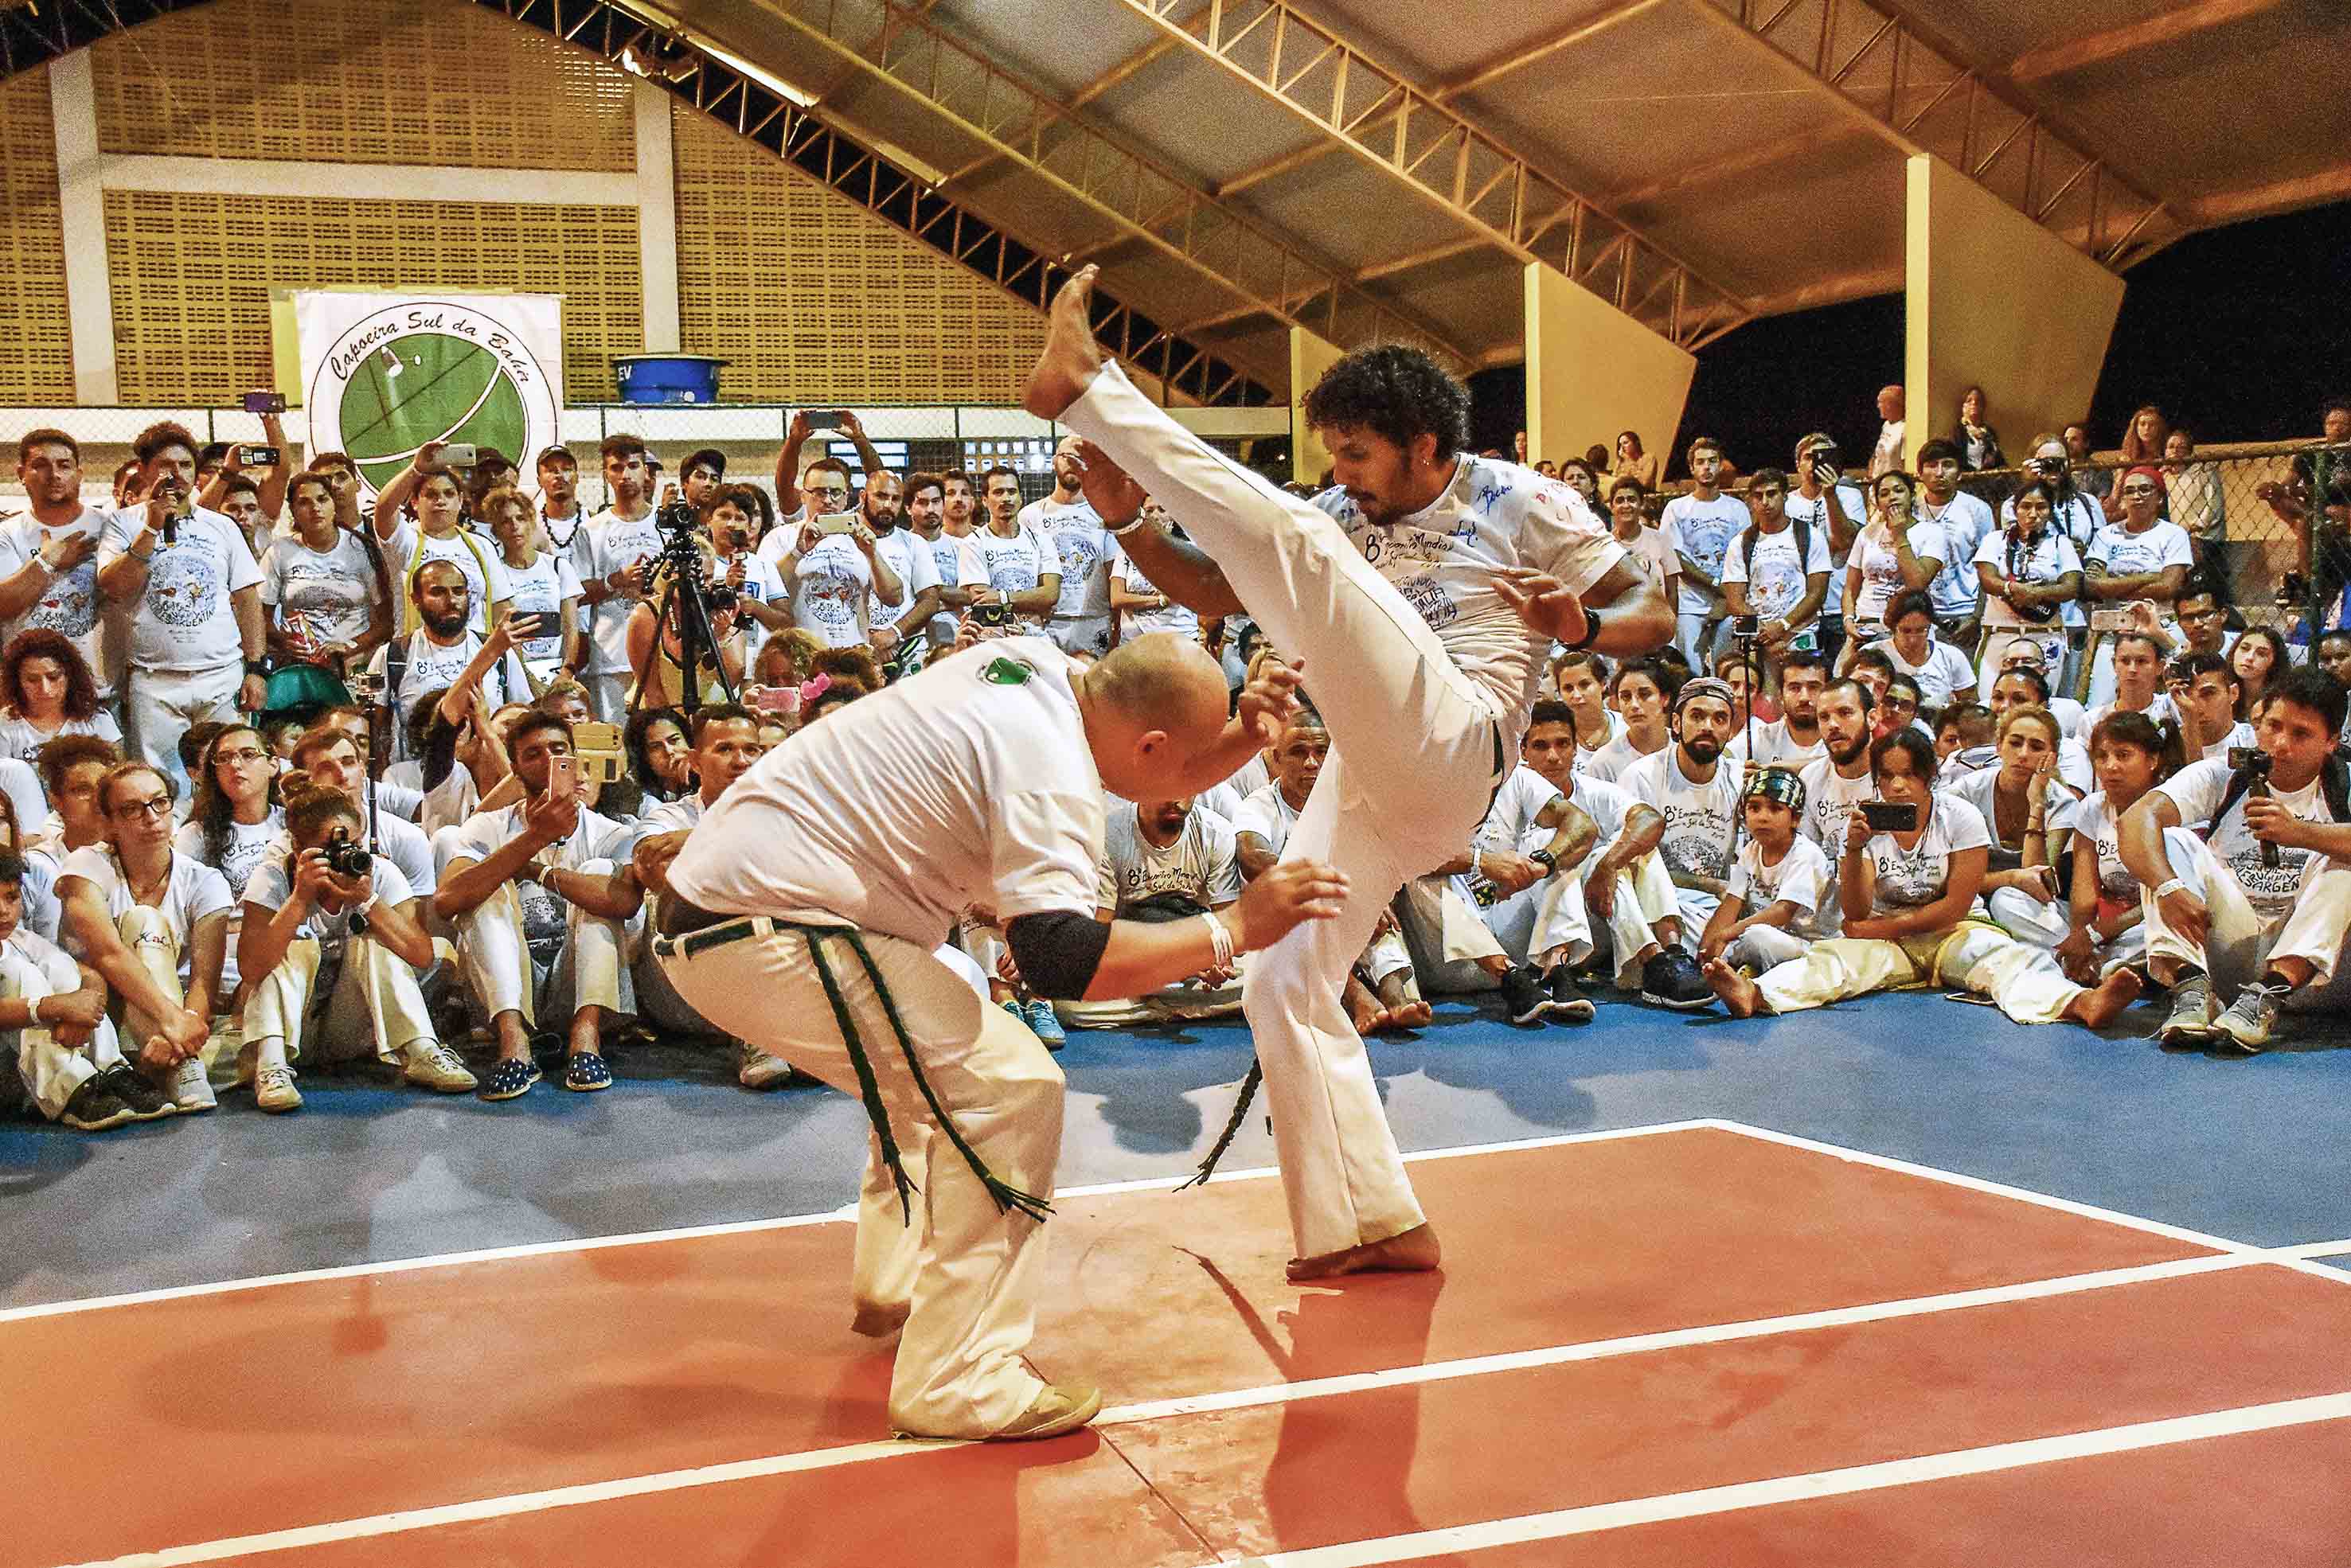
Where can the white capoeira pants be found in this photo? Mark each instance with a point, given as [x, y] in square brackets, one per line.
[2024, 981]
[2028, 919]
[1545, 924]
[971, 1285]
[592, 971]
[1445, 935]
[155, 946]
[2239, 945]
[376, 1009]
[51, 1070]
[1762, 947]
[1381, 813]
[162, 705]
[1645, 896]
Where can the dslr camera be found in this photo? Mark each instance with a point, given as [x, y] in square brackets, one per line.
[345, 856]
[2250, 759]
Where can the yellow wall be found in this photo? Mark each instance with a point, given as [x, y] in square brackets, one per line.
[1592, 370]
[1996, 300]
[1310, 356]
[35, 338]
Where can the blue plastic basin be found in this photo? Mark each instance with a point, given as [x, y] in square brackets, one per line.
[667, 378]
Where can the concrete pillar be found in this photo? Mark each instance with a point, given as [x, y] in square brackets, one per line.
[1592, 370]
[1310, 356]
[657, 217]
[81, 195]
[1997, 301]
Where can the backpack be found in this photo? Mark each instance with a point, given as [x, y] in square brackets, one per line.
[1803, 546]
[2334, 785]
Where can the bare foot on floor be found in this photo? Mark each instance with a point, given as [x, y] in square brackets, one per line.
[1415, 1252]
[1070, 360]
[1406, 1008]
[2099, 1007]
[1739, 997]
[1363, 1009]
[877, 1320]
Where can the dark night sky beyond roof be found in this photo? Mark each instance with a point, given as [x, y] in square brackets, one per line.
[2238, 331]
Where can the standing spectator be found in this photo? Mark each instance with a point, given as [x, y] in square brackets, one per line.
[2029, 574]
[1777, 571]
[1978, 442]
[1140, 607]
[445, 644]
[2201, 507]
[326, 587]
[1081, 620]
[541, 585]
[1633, 463]
[1887, 456]
[2077, 438]
[794, 483]
[1898, 553]
[1024, 570]
[1825, 504]
[49, 560]
[2142, 557]
[2143, 442]
[702, 472]
[1627, 499]
[2077, 515]
[196, 626]
[1698, 529]
[1699, 798]
[48, 691]
[1966, 522]
[437, 532]
[621, 538]
[834, 577]
[154, 923]
[561, 518]
[954, 569]
[895, 626]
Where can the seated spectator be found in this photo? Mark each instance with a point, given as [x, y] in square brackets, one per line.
[1838, 781]
[2136, 686]
[232, 827]
[443, 645]
[1163, 861]
[1771, 909]
[330, 757]
[1898, 709]
[2029, 820]
[1966, 737]
[71, 767]
[2020, 681]
[660, 758]
[545, 587]
[419, 516]
[852, 666]
[155, 924]
[1915, 649]
[1698, 799]
[457, 757]
[1793, 739]
[1613, 906]
[304, 918]
[539, 908]
[326, 587]
[2106, 927]
[2259, 656]
[2206, 693]
[53, 1020]
[1580, 677]
[2235, 936]
[48, 691]
[1966, 522]
[1644, 693]
[2030, 574]
[1905, 895]
[2200, 623]
[835, 695]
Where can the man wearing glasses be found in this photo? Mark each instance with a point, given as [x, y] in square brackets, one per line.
[154, 925]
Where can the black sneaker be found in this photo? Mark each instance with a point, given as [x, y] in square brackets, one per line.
[1567, 1002]
[1523, 995]
[96, 1106]
[147, 1102]
[1672, 980]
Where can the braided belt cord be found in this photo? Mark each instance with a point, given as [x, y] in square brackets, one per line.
[1232, 1128]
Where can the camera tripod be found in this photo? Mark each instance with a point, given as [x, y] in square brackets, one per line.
[687, 601]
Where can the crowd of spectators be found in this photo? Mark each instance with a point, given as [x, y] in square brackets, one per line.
[289, 777]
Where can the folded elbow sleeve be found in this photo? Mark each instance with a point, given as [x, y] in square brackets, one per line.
[1058, 952]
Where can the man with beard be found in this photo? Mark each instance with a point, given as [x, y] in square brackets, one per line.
[894, 629]
[1080, 619]
[1699, 798]
[955, 572]
[1839, 779]
[622, 539]
[48, 562]
[1793, 739]
[445, 643]
[1165, 860]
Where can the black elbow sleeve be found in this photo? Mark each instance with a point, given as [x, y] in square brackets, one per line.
[1058, 952]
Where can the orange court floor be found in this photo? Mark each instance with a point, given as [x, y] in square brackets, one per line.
[1701, 1343]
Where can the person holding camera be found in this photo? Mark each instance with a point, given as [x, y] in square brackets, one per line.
[155, 924]
[1829, 507]
[540, 909]
[48, 561]
[1775, 575]
[324, 905]
[445, 651]
[53, 1021]
[1910, 866]
[2248, 915]
[196, 643]
[834, 572]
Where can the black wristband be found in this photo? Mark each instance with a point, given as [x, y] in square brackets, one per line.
[1591, 630]
[257, 666]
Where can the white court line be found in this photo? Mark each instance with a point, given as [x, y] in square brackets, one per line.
[839, 1216]
[1597, 1516]
[2026, 1195]
[1269, 1393]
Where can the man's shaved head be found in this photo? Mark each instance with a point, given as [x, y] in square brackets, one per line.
[1150, 706]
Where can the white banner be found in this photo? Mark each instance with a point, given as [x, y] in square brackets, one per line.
[384, 373]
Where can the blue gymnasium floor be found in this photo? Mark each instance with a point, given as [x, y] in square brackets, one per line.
[2258, 1151]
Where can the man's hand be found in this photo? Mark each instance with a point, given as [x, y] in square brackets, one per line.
[1269, 700]
[800, 429]
[62, 555]
[2185, 914]
[1509, 872]
[1108, 488]
[2271, 824]
[513, 630]
[1544, 603]
[184, 1033]
[1600, 888]
[550, 821]
[849, 424]
[862, 538]
[2076, 956]
[654, 856]
[253, 694]
[885, 639]
[1284, 897]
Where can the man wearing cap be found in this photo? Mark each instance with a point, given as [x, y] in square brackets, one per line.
[1699, 798]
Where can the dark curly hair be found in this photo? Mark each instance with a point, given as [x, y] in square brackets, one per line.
[45, 642]
[1397, 393]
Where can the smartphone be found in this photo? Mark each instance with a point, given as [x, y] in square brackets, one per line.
[821, 418]
[263, 456]
[776, 699]
[563, 778]
[2114, 619]
[1889, 816]
[1746, 625]
[265, 402]
[460, 454]
[991, 617]
[834, 522]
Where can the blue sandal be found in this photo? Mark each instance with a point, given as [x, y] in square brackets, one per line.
[508, 1079]
[585, 1072]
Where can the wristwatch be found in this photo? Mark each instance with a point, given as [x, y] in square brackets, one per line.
[1545, 859]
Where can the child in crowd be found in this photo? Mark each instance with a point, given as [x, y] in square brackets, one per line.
[1772, 909]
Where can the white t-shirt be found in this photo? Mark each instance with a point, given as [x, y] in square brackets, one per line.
[1966, 523]
[1084, 549]
[1887, 455]
[248, 848]
[540, 589]
[1802, 878]
[1980, 788]
[272, 885]
[2080, 519]
[955, 564]
[1612, 761]
[1815, 512]
[2240, 734]
[1774, 747]
[395, 840]
[1829, 800]
[1016, 562]
[1266, 815]
[1699, 818]
[183, 623]
[1945, 670]
[2096, 820]
[1700, 533]
[1511, 820]
[1915, 877]
[321, 597]
[1199, 865]
[614, 542]
[909, 556]
[831, 587]
[1582, 767]
[1443, 560]
[1009, 818]
[593, 836]
[2125, 554]
[1648, 550]
[1607, 804]
[195, 893]
[1133, 623]
[430, 666]
[1780, 581]
[71, 604]
[2198, 788]
[1881, 569]
[2051, 557]
[474, 555]
[21, 742]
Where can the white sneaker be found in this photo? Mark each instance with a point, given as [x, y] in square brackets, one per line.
[2247, 1023]
[756, 1070]
[274, 1091]
[190, 1088]
[436, 1067]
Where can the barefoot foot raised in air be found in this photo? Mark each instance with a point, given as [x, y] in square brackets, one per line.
[1070, 360]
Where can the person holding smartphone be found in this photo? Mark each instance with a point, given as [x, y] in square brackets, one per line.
[540, 896]
[1911, 865]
